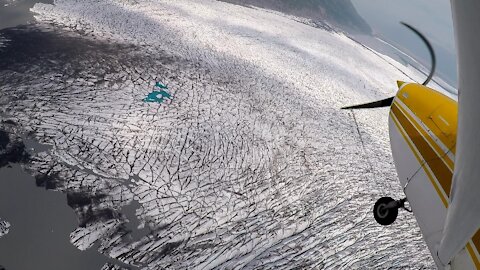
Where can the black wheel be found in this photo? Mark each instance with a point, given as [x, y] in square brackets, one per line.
[383, 215]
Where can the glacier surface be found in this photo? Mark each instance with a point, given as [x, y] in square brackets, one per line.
[251, 164]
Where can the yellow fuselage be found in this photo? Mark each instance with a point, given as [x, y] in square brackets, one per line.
[423, 132]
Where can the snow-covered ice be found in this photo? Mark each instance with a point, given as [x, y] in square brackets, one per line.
[251, 165]
[4, 227]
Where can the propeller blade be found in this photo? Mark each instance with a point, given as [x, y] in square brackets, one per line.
[376, 104]
[388, 101]
[430, 50]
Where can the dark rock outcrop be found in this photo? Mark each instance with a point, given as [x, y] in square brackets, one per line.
[12, 149]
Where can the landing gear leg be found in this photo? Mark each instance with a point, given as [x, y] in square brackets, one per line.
[385, 210]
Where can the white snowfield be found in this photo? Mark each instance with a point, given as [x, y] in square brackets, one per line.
[252, 165]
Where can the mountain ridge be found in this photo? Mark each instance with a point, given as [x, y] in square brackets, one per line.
[340, 13]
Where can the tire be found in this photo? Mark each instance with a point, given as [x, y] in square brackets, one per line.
[384, 216]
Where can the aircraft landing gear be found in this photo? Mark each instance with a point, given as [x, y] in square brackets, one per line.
[385, 210]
